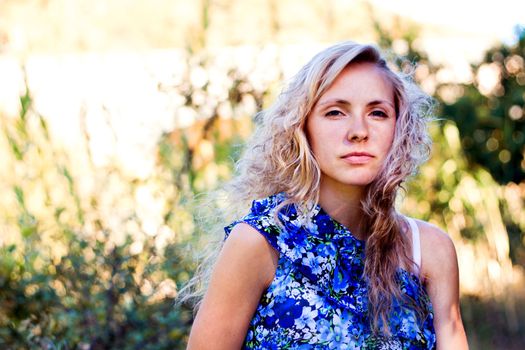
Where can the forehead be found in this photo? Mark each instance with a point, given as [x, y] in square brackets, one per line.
[361, 81]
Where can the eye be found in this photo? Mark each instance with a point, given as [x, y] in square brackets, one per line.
[379, 113]
[333, 113]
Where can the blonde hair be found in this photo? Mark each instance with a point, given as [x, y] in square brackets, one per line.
[278, 158]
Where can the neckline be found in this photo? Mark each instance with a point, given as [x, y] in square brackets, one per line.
[345, 232]
[320, 211]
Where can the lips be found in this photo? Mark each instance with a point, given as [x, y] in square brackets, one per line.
[357, 158]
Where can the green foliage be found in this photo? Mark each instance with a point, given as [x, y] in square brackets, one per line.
[93, 297]
[492, 123]
[68, 278]
[67, 283]
[63, 286]
[486, 324]
[458, 191]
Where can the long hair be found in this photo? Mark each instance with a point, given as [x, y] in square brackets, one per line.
[278, 158]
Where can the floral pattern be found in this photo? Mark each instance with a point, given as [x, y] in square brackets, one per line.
[318, 298]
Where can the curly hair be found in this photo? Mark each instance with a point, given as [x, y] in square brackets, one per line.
[278, 158]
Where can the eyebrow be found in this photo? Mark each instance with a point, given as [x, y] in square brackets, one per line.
[339, 101]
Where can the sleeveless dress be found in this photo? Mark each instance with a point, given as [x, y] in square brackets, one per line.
[318, 297]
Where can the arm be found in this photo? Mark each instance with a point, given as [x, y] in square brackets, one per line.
[244, 269]
[440, 271]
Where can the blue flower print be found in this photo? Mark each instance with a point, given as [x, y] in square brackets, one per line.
[318, 298]
[307, 319]
[289, 310]
[325, 224]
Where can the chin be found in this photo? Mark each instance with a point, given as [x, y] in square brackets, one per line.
[363, 180]
[355, 182]
[350, 179]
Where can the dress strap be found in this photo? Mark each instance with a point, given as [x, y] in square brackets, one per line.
[416, 243]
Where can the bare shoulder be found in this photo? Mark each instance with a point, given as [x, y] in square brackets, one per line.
[244, 268]
[434, 236]
[246, 237]
[440, 274]
[250, 250]
[437, 249]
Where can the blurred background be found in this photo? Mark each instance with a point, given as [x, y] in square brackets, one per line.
[116, 115]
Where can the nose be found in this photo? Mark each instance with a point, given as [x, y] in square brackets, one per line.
[357, 130]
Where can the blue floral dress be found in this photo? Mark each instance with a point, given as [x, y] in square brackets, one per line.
[318, 298]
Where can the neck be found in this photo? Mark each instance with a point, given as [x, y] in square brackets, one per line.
[343, 204]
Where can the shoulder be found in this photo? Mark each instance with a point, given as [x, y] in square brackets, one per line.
[437, 250]
[434, 236]
[262, 218]
[441, 279]
[243, 270]
[250, 253]
[244, 236]
[251, 243]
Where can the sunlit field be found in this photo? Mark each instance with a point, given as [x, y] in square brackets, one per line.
[118, 120]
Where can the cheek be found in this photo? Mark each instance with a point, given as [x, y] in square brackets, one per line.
[321, 142]
[387, 136]
[314, 136]
[314, 145]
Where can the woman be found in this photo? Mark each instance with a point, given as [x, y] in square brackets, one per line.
[323, 260]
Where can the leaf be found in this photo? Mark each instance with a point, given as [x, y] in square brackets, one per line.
[20, 196]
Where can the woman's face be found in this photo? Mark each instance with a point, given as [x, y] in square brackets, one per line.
[351, 127]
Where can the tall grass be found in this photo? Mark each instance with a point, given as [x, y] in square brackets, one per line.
[91, 258]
